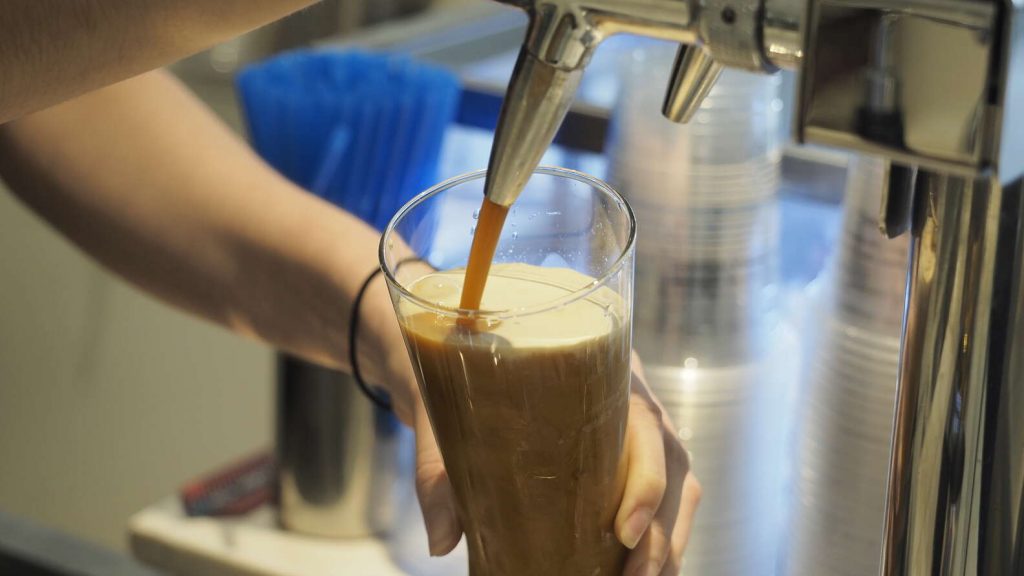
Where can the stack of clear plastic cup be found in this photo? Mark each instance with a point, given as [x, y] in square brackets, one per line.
[705, 195]
[718, 355]
[845, 428]
[733, 421]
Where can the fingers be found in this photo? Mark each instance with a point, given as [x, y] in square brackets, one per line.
[434, 491]
[659, 489]
[681, 533]
[646, 475]
[655, 548]
[651, 554]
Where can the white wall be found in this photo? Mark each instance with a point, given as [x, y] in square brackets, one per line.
[108, 399]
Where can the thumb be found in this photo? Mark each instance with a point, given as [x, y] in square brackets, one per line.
[434, 490]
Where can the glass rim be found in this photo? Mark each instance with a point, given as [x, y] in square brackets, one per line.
[583, 292]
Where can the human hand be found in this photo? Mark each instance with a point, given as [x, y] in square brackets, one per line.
[661, 494]
[659, 501]
[389, 367]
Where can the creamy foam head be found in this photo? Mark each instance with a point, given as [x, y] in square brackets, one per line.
[512, 288]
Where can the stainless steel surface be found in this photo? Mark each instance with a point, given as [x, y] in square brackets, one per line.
[882, 86]
[564, 32]
[952, 48]
[560, 41]
[782, 32]
[538, 99]
[338, 455]
[731, 32]
[693, 75]
[898, 190]
[957, 464]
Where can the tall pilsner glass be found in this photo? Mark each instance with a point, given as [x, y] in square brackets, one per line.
[528, 397]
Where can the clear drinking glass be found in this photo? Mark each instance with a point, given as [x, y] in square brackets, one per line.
[529, 404]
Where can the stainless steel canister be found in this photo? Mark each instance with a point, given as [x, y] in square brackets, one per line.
[338, 454]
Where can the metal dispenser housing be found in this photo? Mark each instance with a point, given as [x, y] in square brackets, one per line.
[935, 86]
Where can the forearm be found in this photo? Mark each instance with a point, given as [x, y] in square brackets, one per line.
[146, 180]
[52, 50]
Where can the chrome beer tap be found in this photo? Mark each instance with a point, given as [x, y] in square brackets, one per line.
[563, 35]
[936, 87]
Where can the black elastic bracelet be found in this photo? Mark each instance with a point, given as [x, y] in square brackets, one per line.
[381, 399]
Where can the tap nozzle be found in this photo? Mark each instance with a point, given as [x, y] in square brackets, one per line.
[693, 76]
[539, 96]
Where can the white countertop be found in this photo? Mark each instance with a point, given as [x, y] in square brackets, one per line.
[163, 537]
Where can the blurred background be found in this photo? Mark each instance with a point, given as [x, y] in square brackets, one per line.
[108, 399]
[756, 286]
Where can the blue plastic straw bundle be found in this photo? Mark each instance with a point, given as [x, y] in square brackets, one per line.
[363, 131]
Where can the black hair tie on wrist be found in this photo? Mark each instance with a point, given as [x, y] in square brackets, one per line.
[380, 398]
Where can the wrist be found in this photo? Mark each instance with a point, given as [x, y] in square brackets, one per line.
[380, 349]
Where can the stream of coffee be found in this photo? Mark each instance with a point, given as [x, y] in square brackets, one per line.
[481, 253]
